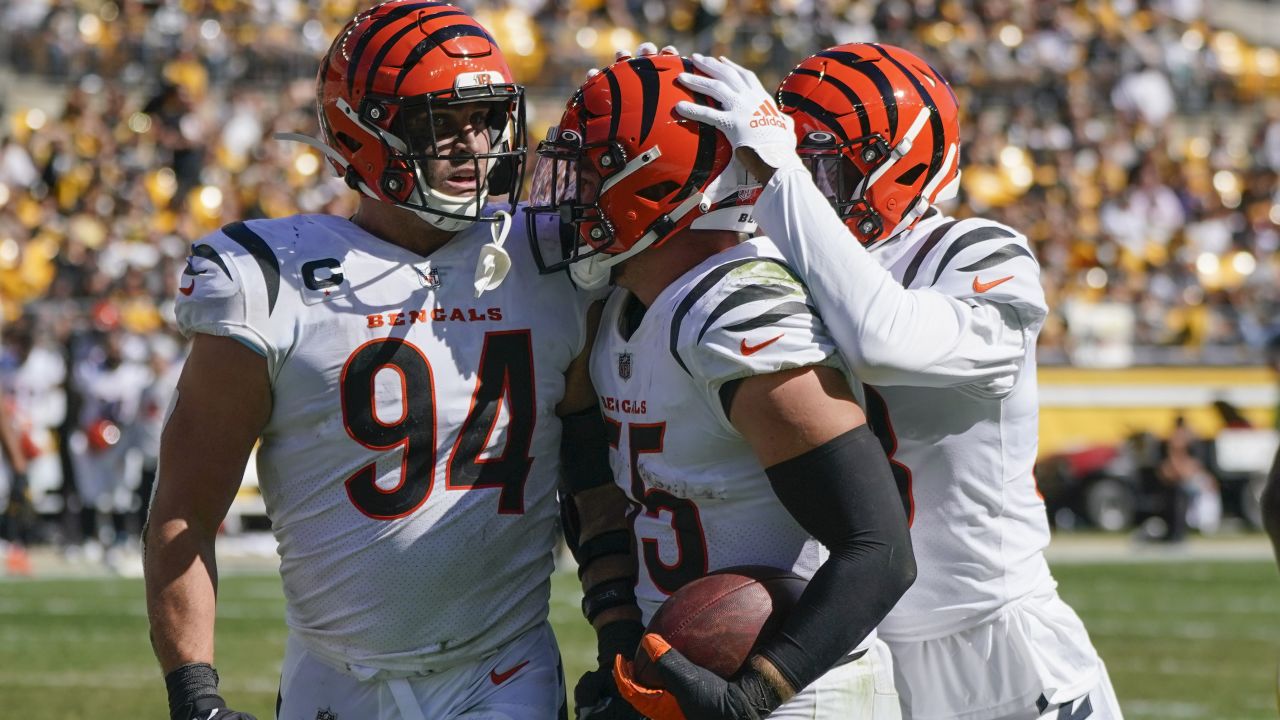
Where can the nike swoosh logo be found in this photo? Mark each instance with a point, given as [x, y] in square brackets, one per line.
[188, 289]
[753, 349]
[497, 678]
[981, 287]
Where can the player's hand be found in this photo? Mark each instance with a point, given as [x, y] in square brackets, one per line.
[748, 116]
[692, 692]
[644, 50]
[596, 697]
[193, 695]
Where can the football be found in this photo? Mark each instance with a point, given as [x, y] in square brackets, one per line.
[718, 620]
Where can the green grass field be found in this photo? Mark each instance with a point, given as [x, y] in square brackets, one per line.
[1181, 639]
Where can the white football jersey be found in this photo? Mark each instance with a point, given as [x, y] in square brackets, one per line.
[410, 462]
[701, 500]
[951, 391]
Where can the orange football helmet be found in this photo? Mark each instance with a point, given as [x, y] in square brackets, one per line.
[622, 172]
[381, 88]
[880, 131]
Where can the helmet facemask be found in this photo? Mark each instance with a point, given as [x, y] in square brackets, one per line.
[420, 130]
[565, 221]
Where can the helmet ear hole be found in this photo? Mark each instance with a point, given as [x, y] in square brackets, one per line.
[658, 191]
[351, 144]
[911, 175]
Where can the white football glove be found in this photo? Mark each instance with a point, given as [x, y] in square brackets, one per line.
[748, 116]
[645, 50]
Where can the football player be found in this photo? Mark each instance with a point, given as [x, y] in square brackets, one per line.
[939, 317]
[404, 379]
[734, 431]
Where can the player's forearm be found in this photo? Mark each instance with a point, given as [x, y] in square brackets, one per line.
[843, 494]
[181, 580]
[891, 335]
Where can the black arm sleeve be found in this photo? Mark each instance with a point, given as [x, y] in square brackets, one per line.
[584, 451]
[843, 494]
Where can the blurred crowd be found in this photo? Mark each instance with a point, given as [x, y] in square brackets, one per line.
[1135, 142]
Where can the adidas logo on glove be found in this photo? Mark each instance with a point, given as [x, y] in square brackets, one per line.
[767, 114]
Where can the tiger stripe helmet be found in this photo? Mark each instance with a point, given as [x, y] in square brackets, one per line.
[381, 82]
[880, 130]
[622, 171]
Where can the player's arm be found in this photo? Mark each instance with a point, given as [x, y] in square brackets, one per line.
[890, 335]
[1271, 506]
[223, 402]
[831, 474]
[593, 514]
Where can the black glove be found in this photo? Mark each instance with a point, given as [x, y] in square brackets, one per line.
[596, 697]
[193, 695]
[699, 693]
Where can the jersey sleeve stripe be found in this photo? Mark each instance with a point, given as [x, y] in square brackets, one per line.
[740, 297]
[778, 312]
[934, 238]
[702, 288]
[1008, 252]
[207, 252]
[261, 252]
[969, 239]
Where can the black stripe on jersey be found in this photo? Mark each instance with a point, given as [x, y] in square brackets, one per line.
[372, 32]
[809, 107]
[969, 239]
[776, 313]
[935, 120]
[704, 158]
[650, 89]
[208, 253]
[934, 238]
[433, 41]
[693, 296]
[875, 75]
[1008, 252]
[395, 39]
[258, 248]
[854, 101]
[740, 297]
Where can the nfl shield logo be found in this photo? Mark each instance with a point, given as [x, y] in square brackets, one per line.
[624, 365]
[326, 714]
[429, 279]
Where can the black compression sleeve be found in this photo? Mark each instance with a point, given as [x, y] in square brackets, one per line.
[843, 494]
[584, 451]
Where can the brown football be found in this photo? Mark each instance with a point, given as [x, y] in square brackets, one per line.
[718, 620]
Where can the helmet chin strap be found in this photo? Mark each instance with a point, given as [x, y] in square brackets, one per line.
[434, 200]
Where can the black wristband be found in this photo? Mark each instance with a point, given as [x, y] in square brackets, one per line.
[613, 542]
[188, 684]
[608, 594]
[620, 637]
